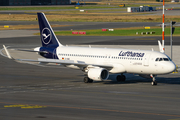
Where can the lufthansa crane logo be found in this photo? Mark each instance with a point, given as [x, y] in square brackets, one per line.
[46, 36]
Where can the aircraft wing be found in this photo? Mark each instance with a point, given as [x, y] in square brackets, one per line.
[63, 62]
[67, 62]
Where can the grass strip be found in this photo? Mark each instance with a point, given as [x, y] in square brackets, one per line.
[123, 32]
[92, 17]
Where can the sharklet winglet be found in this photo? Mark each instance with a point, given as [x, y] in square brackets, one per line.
[7, 52]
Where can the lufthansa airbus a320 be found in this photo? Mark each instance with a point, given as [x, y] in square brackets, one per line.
[98, 63]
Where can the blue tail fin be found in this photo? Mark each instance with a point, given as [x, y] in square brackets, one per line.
[48, 38]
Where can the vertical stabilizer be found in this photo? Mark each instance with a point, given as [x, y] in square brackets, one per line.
[48, 38]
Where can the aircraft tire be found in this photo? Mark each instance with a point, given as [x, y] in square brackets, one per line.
[86, 79]
[123, 77]
[154, 83]
[90, 81]
[118, 78]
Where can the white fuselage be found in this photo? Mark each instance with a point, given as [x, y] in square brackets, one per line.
[123, 60]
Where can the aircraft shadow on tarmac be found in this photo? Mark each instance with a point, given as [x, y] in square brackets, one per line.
[133, 79]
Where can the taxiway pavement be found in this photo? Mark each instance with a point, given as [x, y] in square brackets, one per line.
[32, 92]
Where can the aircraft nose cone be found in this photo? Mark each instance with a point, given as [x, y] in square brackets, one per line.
[171, 67]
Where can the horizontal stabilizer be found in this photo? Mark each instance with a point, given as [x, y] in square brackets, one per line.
[32, 51]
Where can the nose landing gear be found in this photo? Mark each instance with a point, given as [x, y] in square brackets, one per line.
[154, 82]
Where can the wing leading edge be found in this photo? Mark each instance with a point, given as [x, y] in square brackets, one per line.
[67, 62]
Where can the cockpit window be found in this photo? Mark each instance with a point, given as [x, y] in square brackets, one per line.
[157, 59]
[160, 59]
[169, 58]
[166, 59]
[163, 59]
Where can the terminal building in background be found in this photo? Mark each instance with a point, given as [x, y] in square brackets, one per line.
[33, 2]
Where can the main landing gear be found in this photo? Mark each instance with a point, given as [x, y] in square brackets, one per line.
[87, 80]
[121, 78]
[154, 82]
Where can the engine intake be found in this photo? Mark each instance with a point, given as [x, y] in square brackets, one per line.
[98, 74]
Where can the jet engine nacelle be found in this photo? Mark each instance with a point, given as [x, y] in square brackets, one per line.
[98, 74]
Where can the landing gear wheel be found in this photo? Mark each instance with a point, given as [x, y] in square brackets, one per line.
[153, 80]
[118, 78]
[87, 80]
[90, 81]
[154, 83]
[121, 78]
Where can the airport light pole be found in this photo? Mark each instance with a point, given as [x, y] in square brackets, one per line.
[171, 32]
[163, 29]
